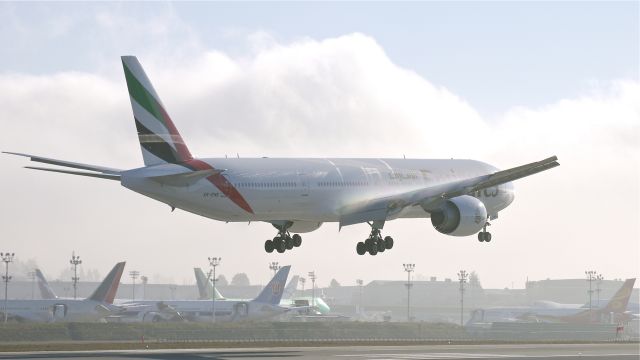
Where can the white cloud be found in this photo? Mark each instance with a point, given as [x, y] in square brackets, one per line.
[335, 97]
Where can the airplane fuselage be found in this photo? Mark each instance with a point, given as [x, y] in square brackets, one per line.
[310, 190]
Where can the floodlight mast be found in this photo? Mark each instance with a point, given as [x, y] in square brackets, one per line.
[75, 261]
[462, 277]
[590, 278]
[134, 275]
[409, 268]
[213, 262]
[6, 258]
[274, 266]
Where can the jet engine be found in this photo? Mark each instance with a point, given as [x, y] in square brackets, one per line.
[461, 216]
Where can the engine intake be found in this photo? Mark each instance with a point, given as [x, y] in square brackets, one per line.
[461, 216]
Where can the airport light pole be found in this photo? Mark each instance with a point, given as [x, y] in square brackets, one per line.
[214, 261]
[590, 277]
[302, 281]
[462, 277]
[6, 258]
[134, 275]
[359, 282]
[144, 280]
[409, 268]
[75, 261]
[312, 276]
[274, 266]
[599, 279]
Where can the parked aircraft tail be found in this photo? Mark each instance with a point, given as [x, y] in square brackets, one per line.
[619, 301]
[45, 290]
[160, 140]
[272, 293]
[106, 292]
[204, 286]
[292, 287]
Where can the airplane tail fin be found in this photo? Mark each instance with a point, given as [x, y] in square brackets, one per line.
[292, 287]
[160, 140]
[45, 290]
[205, 287]
[619, 301]
[272, 293]
[107, 289]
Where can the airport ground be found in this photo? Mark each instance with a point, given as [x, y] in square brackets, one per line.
[531, 351]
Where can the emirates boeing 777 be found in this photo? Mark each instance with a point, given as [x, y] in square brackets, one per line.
[298, 195]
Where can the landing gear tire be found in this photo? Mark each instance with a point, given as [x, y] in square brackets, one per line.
[381, 245]
[388, 242]
[297, 240]
[361, 248]
[484, 236]
[279, 245]
[268, 246]
[373, 251]
[288, 243]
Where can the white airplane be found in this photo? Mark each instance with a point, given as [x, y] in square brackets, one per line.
[613, 311]
[297, 195]
[289, 296]
[266, 305]
[93, 308]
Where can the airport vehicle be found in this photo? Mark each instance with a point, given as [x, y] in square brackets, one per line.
[614, 311]
[297, 195]
[266, 305]
[91, 309]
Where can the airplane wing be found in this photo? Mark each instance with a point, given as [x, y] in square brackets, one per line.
[96, 171]
[381, 209]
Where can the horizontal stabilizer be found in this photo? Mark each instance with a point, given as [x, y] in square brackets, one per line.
[100, 169]
[81, 173]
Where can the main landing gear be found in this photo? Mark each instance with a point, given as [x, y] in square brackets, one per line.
[375, 243]
[484, 235]
[282, 242]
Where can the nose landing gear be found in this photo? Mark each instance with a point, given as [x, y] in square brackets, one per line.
[484, 235]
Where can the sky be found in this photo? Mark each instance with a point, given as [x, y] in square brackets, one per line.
[505, 83]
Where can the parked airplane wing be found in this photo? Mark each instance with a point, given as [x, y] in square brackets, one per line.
[381, 209]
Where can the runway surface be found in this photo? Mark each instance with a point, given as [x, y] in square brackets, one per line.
[529, 352]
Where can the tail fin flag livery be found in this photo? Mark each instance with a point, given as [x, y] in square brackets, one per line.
[45, 290]
[272, 293]
[160, 140]
[106, 292]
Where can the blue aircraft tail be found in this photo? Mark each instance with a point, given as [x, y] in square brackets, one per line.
[272, 293]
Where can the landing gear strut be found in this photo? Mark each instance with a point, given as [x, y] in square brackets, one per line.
[375, 243]
[484, 235]
[283, 241]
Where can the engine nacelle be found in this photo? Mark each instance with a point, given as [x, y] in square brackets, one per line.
[461, 216]
[304, 226]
